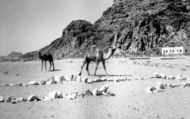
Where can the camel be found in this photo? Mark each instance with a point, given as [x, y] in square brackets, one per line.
[97, 56]
[47, 57]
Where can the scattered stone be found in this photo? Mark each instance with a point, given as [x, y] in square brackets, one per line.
[183, 69]
[33, 98]
[150, 89]
[171, 77]
[51, 81]
[46, 98]
[42, 82]
[160, 90]
[21, 99]
[2, 99]
[33, 83]
[14, 101]
[138, 78]
[78, 79]
[55, 95]
[95, 92]
[88, 93]
[156, 75]
[180, 78]
[71, 96]
[161, 85]
[10, 84]
[5, 72]
[10, 98]
[104, 90]
[59, 79]
[163, 76]
[186, 84]
[69, 77]
[119, 79]
[173, 85]
[84, 79]
[19, 84]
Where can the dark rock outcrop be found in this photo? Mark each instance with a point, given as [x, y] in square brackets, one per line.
[146, 25]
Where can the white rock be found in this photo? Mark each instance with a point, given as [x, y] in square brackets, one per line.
[163, 76]
[78, 78]
[69, 77]
[95, 92]
[160, 90]
[88, 93]
[10, 84]
[71, 96]
[10, 98]
[104, 88]
[161, 85]
[1, 99]
[51, 81]
[20, 99]
[186, 84]
[128, 78]
[180, 78]
[173, 85]
[55, 95]
[42, 82]
[137, 78]
[156, 75]
[150, 89]
[46, 98]
[57, 79]
[33, 83]
[33, 98]
[84, 79]
[170, 77]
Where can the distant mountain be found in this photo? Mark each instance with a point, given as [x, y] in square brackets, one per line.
[143, 26]
[15, 54]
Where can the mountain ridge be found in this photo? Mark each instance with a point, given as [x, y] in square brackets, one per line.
[143, 27]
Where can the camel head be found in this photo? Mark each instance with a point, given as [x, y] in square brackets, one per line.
[112, 48]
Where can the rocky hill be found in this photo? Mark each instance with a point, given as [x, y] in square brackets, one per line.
[15, 54]
[143, 26]
[146, 25]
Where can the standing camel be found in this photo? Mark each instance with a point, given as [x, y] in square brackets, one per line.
[46, 57]
[97, 56]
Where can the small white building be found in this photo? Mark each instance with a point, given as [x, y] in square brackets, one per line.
[173, 50]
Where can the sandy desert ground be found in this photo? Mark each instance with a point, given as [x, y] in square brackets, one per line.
[130, 101]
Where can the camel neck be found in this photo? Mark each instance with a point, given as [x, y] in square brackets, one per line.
[40, 55]
[108, 55]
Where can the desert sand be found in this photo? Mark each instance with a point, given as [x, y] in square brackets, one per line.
[130, 101]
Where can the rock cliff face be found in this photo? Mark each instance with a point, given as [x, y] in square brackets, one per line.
[143, 27]
[146, 25]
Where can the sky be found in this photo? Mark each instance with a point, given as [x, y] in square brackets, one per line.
[28, 25]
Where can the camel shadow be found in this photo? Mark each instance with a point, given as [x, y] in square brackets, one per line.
[55, 70]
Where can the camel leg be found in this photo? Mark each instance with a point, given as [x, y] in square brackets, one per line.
[50, 65]
[53, 66]
[104, 65]
[97, 63]
[45, 66]
[87, 65]
[42, 65]
[84, 62]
